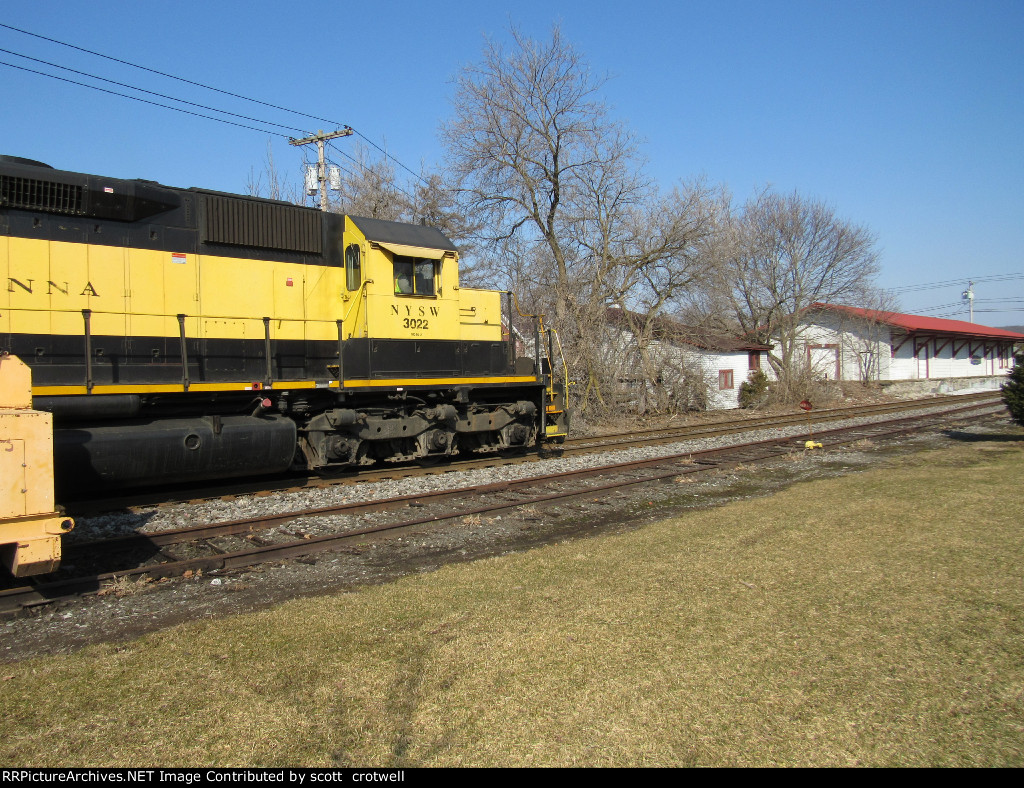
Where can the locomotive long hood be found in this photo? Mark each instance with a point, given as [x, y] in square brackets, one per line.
[34, 186]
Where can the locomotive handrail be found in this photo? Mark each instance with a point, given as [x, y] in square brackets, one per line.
[358, 299]
[515, 300]
[86, 317]
[540, 330]
[89, 315]
[184, 352]
[561, 355]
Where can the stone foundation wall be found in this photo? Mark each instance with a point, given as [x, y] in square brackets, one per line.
[942, 385]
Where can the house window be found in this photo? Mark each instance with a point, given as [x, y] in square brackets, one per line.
[754, 359]
[415, 276]
[724, 379]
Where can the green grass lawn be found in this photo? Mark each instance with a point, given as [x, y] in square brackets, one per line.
[874, 619]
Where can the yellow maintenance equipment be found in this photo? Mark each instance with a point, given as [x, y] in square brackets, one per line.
[30, 528]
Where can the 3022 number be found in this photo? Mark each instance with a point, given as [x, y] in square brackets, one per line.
[415, 323]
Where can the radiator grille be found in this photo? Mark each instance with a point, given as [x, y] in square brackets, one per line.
[263, 225]
[38, 195]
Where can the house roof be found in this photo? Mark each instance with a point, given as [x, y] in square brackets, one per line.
[667, 330]
[922, 324]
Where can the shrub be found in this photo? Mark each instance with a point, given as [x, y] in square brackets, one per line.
[1013, 391]
[754, 389]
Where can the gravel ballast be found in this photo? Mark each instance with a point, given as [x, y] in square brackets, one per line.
[135, 607]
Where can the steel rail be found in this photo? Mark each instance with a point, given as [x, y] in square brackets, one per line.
[573, 446]
[697, 461]
[827, 414]
[251, 525]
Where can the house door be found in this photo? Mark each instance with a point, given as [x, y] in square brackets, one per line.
[824, 361]
[922, 360]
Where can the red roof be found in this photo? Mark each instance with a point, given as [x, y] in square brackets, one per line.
[921, 323]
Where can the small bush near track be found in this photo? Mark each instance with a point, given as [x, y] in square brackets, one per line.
[754, 390]
[1013, 390]
[876, 619]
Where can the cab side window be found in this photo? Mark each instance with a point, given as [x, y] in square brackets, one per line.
[353, 271]
[415, 276]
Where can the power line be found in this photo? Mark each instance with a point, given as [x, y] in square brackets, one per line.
[950, 311]
[358, 163]
[149, 92]
[207, 87]
[955, 282]
[942, 306]
[169, 76]
[144, 101]
[389, 156]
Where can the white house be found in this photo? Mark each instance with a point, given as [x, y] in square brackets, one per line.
[850, 343]
[692, 366]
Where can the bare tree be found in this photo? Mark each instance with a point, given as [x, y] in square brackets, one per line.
[557, 188]
[642, 254]
[783, 253]
[435, 204]
[528, 137]
[369, 188]
[271, 182]
[646, 249]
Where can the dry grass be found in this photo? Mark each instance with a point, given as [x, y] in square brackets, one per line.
[125, 586]
[871, 620]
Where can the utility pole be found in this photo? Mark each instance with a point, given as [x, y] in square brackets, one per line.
[968, 295]
[321, 168]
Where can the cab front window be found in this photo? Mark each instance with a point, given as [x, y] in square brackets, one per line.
[415, 276]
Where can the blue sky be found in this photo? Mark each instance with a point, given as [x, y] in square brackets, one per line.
[906, 117]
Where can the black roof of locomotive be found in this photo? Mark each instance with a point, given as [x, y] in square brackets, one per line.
[401, 233]
[133, 200]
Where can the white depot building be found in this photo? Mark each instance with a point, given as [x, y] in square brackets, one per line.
[850, 343]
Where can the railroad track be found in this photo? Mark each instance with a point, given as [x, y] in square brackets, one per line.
[247, 542]
[688, 432]
[573, 446]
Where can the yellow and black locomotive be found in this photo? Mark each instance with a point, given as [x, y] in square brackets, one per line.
[182, 334]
